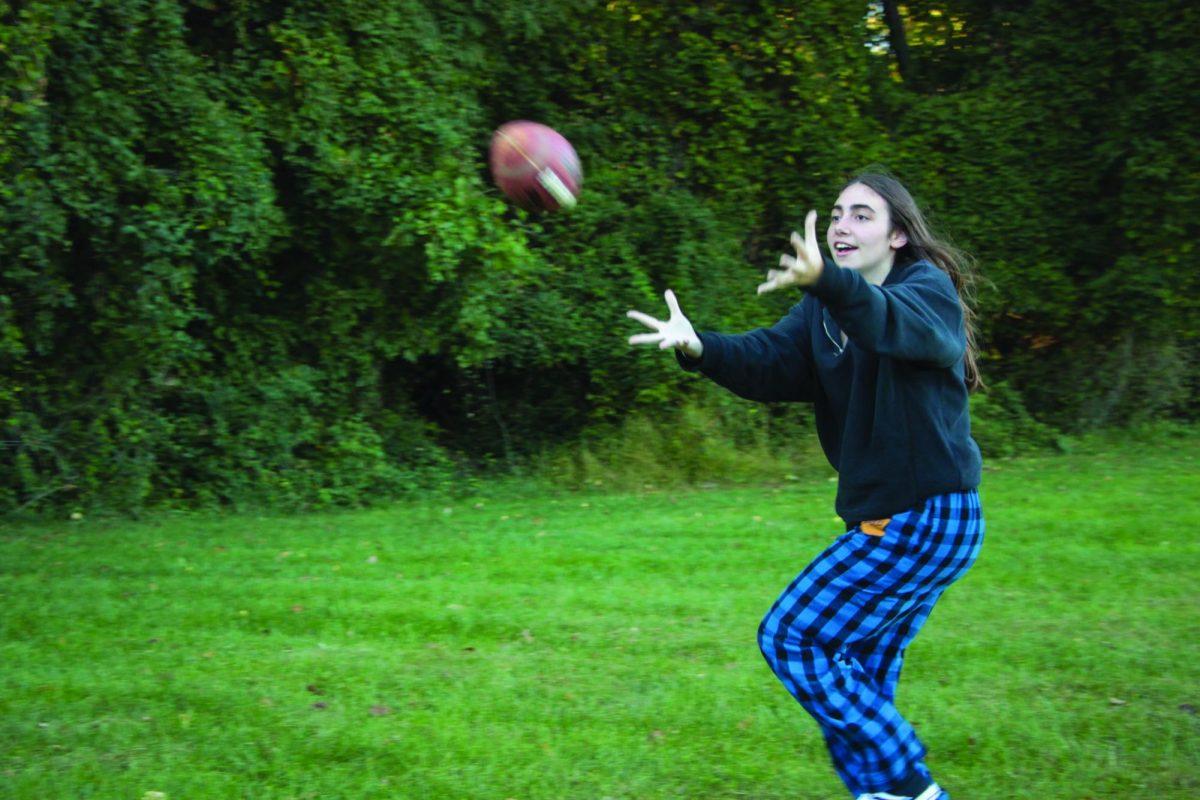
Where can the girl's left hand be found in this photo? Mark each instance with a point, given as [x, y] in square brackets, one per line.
[805, 267]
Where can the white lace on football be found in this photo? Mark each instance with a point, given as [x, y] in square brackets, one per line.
[553, 184]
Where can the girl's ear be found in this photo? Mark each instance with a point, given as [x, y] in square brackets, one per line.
[899, 239]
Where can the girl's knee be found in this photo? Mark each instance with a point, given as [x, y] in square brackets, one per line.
[774, 635]
[793, 655]
[764, 639]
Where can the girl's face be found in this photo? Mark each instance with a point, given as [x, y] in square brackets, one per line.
[860, 233]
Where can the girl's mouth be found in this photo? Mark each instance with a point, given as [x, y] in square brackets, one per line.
[841, 249]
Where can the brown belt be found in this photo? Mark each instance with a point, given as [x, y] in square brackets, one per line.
[874, 527]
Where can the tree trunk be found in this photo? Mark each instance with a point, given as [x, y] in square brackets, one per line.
[897, 40]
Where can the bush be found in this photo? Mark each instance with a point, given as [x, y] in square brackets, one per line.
[1003, 427]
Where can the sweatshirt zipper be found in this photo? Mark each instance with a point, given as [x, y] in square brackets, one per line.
[837, 345]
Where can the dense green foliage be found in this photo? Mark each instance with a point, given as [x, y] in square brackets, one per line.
[249, 252]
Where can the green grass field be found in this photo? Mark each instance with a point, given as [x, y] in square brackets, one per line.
[593, 646]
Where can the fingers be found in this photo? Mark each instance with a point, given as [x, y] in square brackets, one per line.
[672, 304]
[663, 335]
[812, 246]
[645, 319]
[663, 341]
[801, 269]
[772, 283]
[810, 229]
[807, 248]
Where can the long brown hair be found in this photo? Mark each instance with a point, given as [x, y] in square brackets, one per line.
[924, 243]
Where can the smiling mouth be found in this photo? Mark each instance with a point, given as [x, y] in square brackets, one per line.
[842, 249]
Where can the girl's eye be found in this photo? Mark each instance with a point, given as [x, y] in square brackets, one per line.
[861, 217]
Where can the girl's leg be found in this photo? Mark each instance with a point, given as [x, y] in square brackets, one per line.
[835, 636]
[883, 656]
[879, 659]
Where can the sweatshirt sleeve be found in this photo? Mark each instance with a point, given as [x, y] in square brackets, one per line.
[918, 318]
[766, 364]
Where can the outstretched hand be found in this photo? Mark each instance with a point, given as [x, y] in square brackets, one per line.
[805, 267]
[675, 332]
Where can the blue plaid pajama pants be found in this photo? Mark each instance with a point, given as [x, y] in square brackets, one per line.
[836, 636]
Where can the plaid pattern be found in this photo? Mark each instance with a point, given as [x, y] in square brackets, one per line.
[836, 636]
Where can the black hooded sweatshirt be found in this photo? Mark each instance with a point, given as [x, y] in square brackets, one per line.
[890, 405]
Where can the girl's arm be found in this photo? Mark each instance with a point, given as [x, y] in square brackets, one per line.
[919, 318]
[767, 364]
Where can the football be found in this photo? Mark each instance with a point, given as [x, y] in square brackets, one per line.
[535, 166]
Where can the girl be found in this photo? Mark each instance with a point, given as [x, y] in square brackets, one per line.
[882, 345]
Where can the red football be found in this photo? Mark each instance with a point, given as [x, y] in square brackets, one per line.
[535, 166]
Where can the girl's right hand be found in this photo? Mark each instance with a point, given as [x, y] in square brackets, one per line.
[675, 332]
